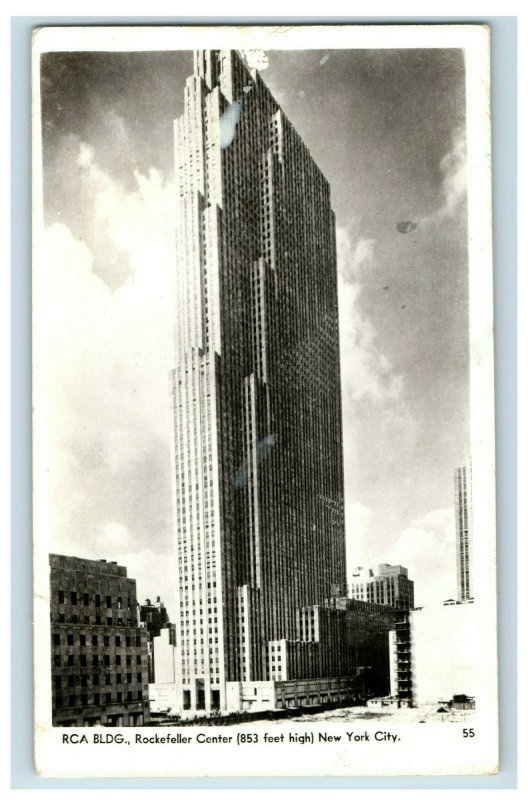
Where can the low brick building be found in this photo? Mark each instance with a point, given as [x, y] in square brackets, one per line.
[99, 664]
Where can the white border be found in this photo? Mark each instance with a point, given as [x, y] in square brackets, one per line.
[114, 761]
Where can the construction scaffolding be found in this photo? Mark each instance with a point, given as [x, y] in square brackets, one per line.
[403, 659]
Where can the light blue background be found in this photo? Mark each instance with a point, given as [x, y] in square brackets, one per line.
[504, 112]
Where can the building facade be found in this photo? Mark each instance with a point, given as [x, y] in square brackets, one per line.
[390, 586]
[165, 681]
[258, 468]
[464, 533]
[98, 651]
[154, 617]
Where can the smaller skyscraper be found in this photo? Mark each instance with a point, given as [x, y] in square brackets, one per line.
[153, 617]
[98, 651]
[162, 657]
[389, 587]
[464, 533]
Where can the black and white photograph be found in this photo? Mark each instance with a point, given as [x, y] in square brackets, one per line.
[264, 532]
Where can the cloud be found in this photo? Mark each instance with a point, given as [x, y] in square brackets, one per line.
[134, 227]
[365, 370]
[354, 254]
[453, 167]
[427, 548]
[358, 518]
[256, 59]
[150, 570]
[454, 170]
[106, 354]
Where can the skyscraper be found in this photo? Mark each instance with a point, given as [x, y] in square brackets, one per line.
[464, 533]
[258, 468]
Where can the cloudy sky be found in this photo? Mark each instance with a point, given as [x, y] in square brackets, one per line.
[387, 129]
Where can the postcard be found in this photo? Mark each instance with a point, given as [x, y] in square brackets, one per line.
[264, 491]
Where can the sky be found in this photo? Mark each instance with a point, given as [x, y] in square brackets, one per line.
[387, 129]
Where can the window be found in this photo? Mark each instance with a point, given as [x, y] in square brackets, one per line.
[70, 660]
[83, 640]
[70, 639]
[107, 680]
[82, 660]
[94, 641]
[71, 680]
[108, 601]
[118, 641]
[97, 600]
[84, 680]
[95, 660]
[56, 639]
[61, 596]
[108, 697]
[138, 659]
[57, 661]
[118, 661]
[73, 598]
[86, 599]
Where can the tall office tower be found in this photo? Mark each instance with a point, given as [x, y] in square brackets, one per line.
[99, 652]
[258, 470]
[390, 586]
[464, 533]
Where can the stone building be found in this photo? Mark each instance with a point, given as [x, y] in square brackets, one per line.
[390, 586]
[99, 667]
